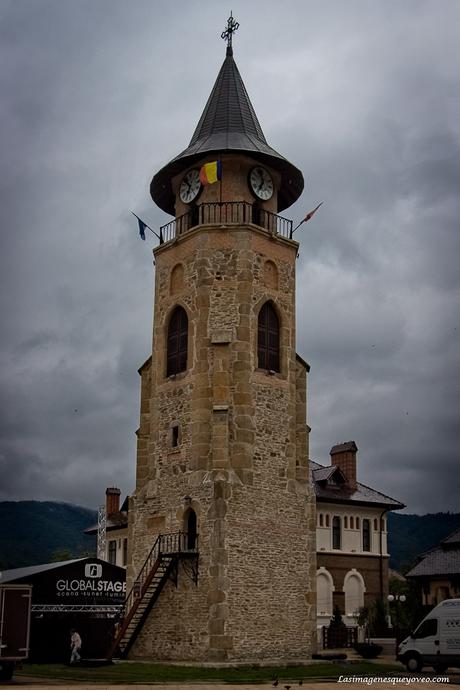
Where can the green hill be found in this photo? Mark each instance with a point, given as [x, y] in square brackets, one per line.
[39, 531]
[34, 532]
[411, 535]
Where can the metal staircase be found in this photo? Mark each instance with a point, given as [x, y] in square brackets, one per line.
[160, 565]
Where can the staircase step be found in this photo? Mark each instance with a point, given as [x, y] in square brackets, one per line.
[156, 582]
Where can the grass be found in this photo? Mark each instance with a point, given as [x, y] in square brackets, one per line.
[133, 672]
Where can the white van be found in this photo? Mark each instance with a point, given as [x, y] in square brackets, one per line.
[436, 641]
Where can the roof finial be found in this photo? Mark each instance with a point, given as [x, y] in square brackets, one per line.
[232, 26]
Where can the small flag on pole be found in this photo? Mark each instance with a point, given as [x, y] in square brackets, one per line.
[211, 172]
[307, 217]
[310, 215]
[142, 227]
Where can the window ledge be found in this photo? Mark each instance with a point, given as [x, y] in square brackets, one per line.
[269, 373]
[335, 552]
[176, 377]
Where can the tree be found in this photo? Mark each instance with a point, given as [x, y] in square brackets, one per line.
[61, 555]
[336, 620]
[337, 630]
[405, 616]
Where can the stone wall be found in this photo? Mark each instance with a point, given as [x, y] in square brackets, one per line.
[241, 457]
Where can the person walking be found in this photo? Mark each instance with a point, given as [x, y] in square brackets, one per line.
[75, 646]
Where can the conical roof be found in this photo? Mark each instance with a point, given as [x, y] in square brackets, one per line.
[228, 123]
[228, 120]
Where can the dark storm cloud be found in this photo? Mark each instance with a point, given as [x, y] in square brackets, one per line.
[96, 97]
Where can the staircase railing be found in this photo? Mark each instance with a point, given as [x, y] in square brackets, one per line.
[167, 547]
[172, 543]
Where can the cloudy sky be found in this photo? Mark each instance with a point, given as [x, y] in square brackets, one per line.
[362, 96]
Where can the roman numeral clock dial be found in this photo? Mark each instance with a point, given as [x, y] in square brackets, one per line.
[261, 183]
[190, 187]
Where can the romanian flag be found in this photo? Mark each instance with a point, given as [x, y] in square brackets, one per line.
[211, 172]
[310, 215]
[307, 218]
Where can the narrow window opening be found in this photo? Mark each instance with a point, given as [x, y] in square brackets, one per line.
[336, 533]
[112, 555]
[175, 436]
[366, 535]
[177, 342]
[268, 339]
[190, 529]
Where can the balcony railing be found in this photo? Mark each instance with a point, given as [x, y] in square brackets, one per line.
[226, 213]
[173, 544]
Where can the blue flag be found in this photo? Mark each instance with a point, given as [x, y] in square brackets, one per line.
[142, 227]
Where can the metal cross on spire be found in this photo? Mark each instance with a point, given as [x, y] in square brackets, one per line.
[232, 26]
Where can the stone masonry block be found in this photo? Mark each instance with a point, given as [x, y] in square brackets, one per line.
[215, 596]
[217, 627]
[221, 642]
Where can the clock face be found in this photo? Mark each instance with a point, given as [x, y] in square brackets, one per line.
[190, 186]
[261, 183]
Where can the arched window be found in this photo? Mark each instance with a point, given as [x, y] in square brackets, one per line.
[324, 589]
[336, 533]
[353, 586]
[177, 279]
[352, 522]
[366, 534]
[177, 342]
[268, 341]
[321, 520]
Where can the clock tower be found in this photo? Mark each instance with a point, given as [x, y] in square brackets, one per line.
[222, 562]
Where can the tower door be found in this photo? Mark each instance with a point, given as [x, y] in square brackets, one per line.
[256, 214]
[190, 529]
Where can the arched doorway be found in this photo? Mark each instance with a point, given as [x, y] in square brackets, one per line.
[190, 529]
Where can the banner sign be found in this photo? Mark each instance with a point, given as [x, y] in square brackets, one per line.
[88, 581]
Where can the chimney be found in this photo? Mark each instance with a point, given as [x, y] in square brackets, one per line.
[112, 500]
[343, 455]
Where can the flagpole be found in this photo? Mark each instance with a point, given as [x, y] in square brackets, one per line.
[307, 217]
[220, 190]
[298, 226]
[148, 226]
